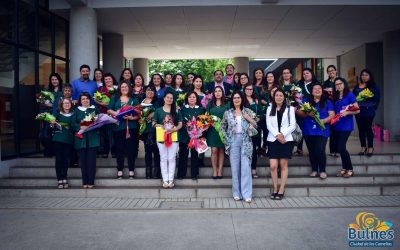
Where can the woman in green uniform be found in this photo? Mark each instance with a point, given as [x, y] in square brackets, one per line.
[188, 111]
[62, 141]
[125, 134]
[87, 146]
[217, 107]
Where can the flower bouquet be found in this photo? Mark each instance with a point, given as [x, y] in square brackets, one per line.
[181, 99]
[217, 125]
[195, 132]
[204, 121]
[45, 97]
[101, 97]
[206, 99]
[127, 110]
[308, 108]
[167, 126]
[145, 111]
[349, 107]
[47, 117]
[93, 121]
[296, 94]
[364, 94]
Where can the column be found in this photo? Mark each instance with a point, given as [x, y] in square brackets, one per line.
[113, 53]
[141, 65]
[241, 64]
[82, 40]
[391, 100]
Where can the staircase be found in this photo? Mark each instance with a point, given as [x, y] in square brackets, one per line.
[35, 177]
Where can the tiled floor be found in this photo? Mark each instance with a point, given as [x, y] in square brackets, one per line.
[193, 203]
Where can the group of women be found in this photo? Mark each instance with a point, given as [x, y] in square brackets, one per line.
[257, 118]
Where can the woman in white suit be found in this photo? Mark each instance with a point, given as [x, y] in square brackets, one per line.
[281, 122]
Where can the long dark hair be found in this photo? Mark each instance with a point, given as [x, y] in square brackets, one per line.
[241, 97]
[254, 75]
[173, 84]
[202, 83]
[239, 86]
[323, 97]
[246, 101]
[121, 78]
[275, 78]
[130, 91]
[154, 99]
[141, 77]
[83, 94]
[313, 77]
[281, 81]
[60, 82]
[112, 77]
[274, 106]
[371, 83]
[173, 105]
[162, 83]
[346, 90]
[214, 99]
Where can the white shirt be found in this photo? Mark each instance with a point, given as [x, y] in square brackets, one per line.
[238, 128]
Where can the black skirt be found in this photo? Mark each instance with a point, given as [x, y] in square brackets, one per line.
[277, 150]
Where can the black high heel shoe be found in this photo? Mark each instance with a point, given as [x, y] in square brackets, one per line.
[280, 196]
[273, 196]
[363, 152]
[369, 154]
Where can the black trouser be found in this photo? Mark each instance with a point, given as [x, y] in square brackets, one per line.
[341, 138]
[183, 161]
[256, 141]
[126, 146]
[46, 139]
[87, 162]
[63, 153]
[106, 140]
[300, 144]
[316, 148]
[150, 152]
[332, 141]
[263, 125]
[365, 131]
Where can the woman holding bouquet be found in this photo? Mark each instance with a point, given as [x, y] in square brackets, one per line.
[251, 102]
[178, 87]
[217, 107]
[368, 96]
[87, 146]
[281, 122]
[168, 118]
[188, 111]
[316, 134]
[238, 126]
[148, 135]
[125, 134]
[345, 107]
[106, 135]
[62, 141]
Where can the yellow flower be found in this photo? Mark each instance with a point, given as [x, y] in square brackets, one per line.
[366, 220]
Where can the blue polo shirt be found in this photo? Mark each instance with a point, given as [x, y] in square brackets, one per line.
[345, 123]
[79, 86]
[310, 127]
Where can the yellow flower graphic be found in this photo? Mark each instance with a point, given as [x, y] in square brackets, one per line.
[366, 220]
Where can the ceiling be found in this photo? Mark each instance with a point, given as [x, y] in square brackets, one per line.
[256, 31]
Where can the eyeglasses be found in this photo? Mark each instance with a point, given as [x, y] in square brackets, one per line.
[337, 84]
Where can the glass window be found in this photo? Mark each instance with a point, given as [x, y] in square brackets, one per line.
[44, 71]
[60, 36]
[7, 102]
[44, 31]
[61, 68]
[26, 24]
[6, 19]
[28, 127]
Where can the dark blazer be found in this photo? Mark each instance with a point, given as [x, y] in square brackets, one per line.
[210, 87]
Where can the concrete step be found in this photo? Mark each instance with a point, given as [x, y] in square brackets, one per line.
[262, 161]
[206, 182]
[198, 192]
[110, 172]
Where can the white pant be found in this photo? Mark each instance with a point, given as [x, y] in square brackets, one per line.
[168, 160]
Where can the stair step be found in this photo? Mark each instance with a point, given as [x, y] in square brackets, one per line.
[110, 172]
[192, 192]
